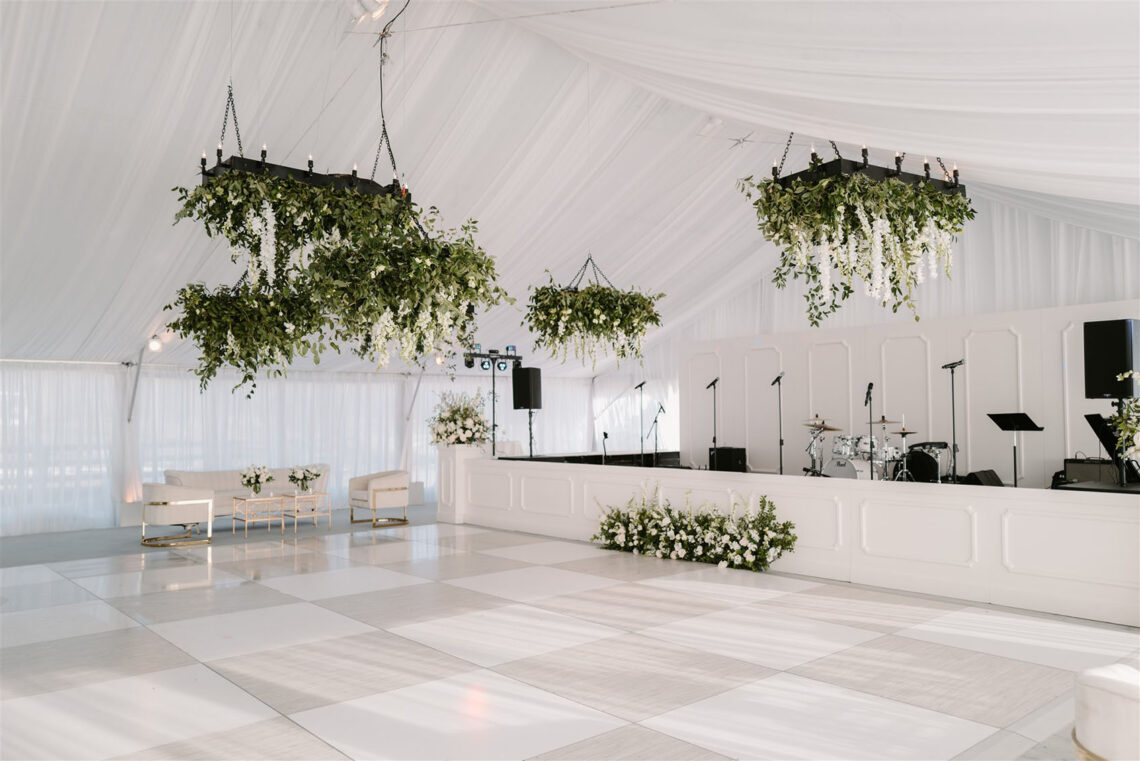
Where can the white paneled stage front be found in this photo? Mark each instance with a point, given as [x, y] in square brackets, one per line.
[1071, 553]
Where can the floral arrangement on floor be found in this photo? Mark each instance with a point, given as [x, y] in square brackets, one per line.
[888, 233]
[328, 268]
[302, 477]
[255, 477]
[459, 419]
[590, 320]
[739, 539]
[1126, 422]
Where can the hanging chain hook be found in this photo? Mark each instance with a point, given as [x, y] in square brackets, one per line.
[787, 145]
[385, 140]
[231, 107]
[835, 148]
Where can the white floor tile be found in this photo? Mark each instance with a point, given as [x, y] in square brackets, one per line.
[196, 576]
[761, 636]
[788, 717]
[732, 585]
[23, 627]
[125, 715]
[345, 581]
[392, 552]
[491, 637]
[548, 553]
[534, 583]
[27, 574]
[229, 634]
[1047, 720]
[43, 595]
[479, 715]
[234, 553]
[1000, 746]
[1062, 644]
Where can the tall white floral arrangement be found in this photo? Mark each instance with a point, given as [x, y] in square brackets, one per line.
[459, 420]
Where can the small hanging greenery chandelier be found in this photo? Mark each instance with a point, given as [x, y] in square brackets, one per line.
[841, 220]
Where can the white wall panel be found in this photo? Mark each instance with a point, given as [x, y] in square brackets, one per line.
[993, 384]
[761, 365]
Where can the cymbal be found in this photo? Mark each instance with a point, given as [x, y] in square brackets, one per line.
[883, 421]
[821, 426]
[903, 432]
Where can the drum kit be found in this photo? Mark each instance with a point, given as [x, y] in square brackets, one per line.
[866, 457]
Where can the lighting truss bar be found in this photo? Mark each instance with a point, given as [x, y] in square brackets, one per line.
[491, 355]
[823, 169]
[307, 176]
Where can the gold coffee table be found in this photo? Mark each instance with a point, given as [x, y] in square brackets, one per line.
[258, 507]
[306, 505]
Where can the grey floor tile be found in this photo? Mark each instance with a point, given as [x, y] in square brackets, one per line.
[631, 606]
[77, 661]
[387, 608]
[863, 608]
[627, 566]
[135, 561]
[43, 595]
[163, 607]
[984, 688]
[335, 670]
[631, 743]
[633, 677]
[487, 540]
[455, 566]
[276, 738]
[1000, 746]
[257, 569]
[1058, 747]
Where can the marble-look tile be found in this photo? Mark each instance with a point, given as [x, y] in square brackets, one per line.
[477, 715]
[234, 553]
[633, 677]
[1000, 746]
[41, 595]
[625, 566]
[789, 717]
[271, 739]
[411, 604]
[347, 581]
[27, 574]
[491, 637]
[330, 671]
[1058, 747]
[1050, 642]
[631, 606]
[121, 716]
[976, 686]
[151, 560]
[23, 627]
[231, 634]
[863, 608]
[759, 636]
[631, 743]
[79, 661]
[303, 561]
[455, 566]
[486, 540]
[433, 532]
[549, 553]
[344, 541]
[162, 607]
[532, 583]
[1054, 716]
[732, 585]
[171, 579]
[392, 552]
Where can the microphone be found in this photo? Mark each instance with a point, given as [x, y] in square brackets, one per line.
[778, 377]
[605, 436]
[640, 385]
[867, 400]
[660, 408]
[713, 382]
[952, 365]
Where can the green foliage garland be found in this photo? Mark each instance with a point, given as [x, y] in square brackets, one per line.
[586, 321]
[647, 526]
[1126, 421]
[888, 233]
[328, 267]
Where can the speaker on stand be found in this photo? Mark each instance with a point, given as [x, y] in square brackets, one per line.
[526, 388]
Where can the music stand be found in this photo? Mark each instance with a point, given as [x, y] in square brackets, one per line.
[1014, 422]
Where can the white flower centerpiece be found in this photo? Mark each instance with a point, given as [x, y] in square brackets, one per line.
[459, 420]
[740, 539]
[255, 477]
[302, 477]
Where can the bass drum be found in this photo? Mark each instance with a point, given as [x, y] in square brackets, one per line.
[920, 466]
[841, 468]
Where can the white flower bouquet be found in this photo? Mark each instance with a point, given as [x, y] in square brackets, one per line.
[255, 477]
[459, 420]
[302, 477]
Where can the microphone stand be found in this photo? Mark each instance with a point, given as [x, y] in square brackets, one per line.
[713, 459]
[871, 428]
[605, 436]
[653, 429]
[641, 421]
[954, 422]
[780, 415]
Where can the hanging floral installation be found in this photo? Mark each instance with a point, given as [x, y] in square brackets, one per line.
[591, 319]
[844, 220]
[331, 262]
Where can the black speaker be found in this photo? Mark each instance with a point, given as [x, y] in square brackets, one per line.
[1102, 471]
[526, 383]
[984, 478]
[728, 458]
[1110, 349]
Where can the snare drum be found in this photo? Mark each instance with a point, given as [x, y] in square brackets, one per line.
[887, 454]
[863, 446]
[844, 446]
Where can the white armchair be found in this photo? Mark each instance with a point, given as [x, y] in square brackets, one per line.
[379, 491]
[186, 506]
[1108, 712]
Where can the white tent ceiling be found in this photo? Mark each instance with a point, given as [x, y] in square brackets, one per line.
[107, 105]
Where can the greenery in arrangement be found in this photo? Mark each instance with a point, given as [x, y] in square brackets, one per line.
[1127, 422]
[591, 319]
[302, 477]
[459, 419]
[328, 268]
[740, 539]
[887, 233]
[255, 477]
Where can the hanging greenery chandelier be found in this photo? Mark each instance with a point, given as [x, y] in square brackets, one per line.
[333, 261]
[840, 220]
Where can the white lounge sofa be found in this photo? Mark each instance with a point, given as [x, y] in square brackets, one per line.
[226, 484]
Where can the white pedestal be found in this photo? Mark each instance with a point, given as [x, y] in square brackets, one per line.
[452, 476]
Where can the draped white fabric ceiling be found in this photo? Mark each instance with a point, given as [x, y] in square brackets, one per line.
[608, 130]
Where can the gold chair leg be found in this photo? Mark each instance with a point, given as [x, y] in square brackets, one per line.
[174, 540]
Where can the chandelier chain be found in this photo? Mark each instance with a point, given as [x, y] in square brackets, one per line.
[231, 107]
[385, 140]
[835, 148]
[945, 171]
[787, 145]
[599, 276]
